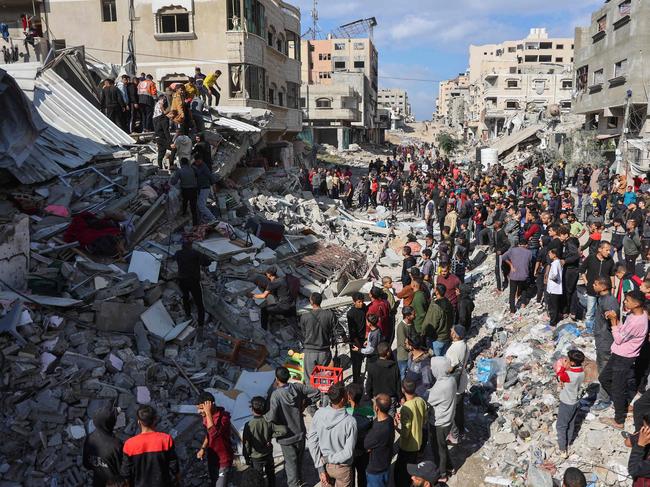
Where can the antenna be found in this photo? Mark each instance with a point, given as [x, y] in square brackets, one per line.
[314, 20]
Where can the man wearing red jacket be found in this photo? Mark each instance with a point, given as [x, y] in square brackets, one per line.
[380, 307]
[216, 446]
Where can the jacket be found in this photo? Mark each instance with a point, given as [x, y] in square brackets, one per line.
[419, 370]
[150, 459]
[383, 377]
[219, 447]
[439, 320]
[102, 451]
[187, 177]
[593, 267]
[285, 408]
[257, 436]
[572, 379]
[147, 92]
[442, 396]
[332, 438]
[356, 318]
[110, 97]
[317, 327]
[204, 178]
[419, 304]
[632, 244]
[458, 355]
[638, 465]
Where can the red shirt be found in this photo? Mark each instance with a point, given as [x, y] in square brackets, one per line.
[451, 283]
[380, 308]
[219, 445]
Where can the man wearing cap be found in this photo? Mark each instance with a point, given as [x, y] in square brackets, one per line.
[423, 474]
[629, 337]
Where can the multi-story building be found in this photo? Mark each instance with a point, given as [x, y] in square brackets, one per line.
[352, 63]
[612, 59]
[453, 100]
[513, 77]
[395, 99]
[254, 43]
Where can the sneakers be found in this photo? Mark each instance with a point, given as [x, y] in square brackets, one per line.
[601, 405]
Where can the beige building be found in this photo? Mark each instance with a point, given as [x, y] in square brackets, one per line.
[330, 67]
[612, 59]
[452, 103]
[517, 77]
[395, 99]
[255, 43]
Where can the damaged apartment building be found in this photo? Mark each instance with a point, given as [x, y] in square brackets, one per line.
[510, 82]
[340, 88]
[254, 43]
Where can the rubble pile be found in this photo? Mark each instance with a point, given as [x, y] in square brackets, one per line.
[514, 399]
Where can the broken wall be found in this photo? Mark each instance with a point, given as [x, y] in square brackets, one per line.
[14, 252]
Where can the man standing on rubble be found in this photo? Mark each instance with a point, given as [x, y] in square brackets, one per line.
[189, 190]
[286, 405]
[147, 94]
[102, 451]
[285, 303]
[111, 102]
[205, 179]
[317, 326]
[189, 263]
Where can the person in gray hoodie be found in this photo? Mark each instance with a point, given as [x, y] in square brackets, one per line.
[442, 399]
[285, 408]
[186, 175]
[332, 439]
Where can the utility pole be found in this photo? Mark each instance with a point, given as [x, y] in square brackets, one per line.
[622, 145]
[314, 20]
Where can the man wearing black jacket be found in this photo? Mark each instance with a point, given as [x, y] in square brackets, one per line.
[379, 442]
[570, 262]
[501, 245]
[317, 327]
[357, 333]
[111, 102]
[102, 451]
[599, 264]
[383, 375]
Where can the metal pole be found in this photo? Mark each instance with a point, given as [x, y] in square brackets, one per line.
[623, 142]
[122, 53]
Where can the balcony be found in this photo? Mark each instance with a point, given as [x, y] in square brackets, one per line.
[617, 81]
[598, 36]
[334, 114]
[243, 47]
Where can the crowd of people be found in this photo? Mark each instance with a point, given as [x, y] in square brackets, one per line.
[407, 337]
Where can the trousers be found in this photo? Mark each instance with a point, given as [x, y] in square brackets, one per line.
[439, 447]
[340, 474]
[265, 466]
[617, 378]
[566, 423]
[602, 357]
[293, 462]
[553, 301]
[189, 196]
[193, 287]
[313, 358]
[516, 287]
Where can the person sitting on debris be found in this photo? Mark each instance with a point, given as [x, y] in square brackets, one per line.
[317, 326]
[150, 457]
[573, 477]
[286, 406]
[285, 303]
[257, 447]
[102, 451]
[216, 447]
[571, 375]
[186, 175]
[189, 263]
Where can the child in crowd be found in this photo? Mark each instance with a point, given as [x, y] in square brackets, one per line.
[411, 419]
[369, 351]
[571, 375]
[554, 287]
[257, 448]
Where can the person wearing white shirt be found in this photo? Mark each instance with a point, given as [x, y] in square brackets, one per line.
[458, 355]
[554, 287]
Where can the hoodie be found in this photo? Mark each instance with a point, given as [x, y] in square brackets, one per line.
[442, 396]
[383, 377]
[285, 409]
[419, 371]
[102, 452]
[332, 438]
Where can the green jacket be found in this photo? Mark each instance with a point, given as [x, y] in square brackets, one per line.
[439, 320]
[257, 437]
[419, 304]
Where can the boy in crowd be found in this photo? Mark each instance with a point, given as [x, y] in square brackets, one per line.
[379, 442]
[258, 450]
[571, 375]
[369, 351]
[411, 418]
[384, 375]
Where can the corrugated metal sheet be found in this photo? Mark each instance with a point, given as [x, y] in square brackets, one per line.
[235, 125]
[72, 131]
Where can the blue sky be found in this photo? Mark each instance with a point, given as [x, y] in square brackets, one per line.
[429, 39]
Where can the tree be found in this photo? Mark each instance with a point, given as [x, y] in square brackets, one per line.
[447, 143]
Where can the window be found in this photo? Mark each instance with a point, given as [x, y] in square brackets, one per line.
[601, 24]
[280, 45]
[271, 98]
[625, 8]
[293, 45]
[559, 59]
[293, 96]
[109, 12]
[281, 98]
[546, 45]
[545, 59]
[247, 81]
[173, 20]
[530, 59]
[565, 105]
[234, 16]
[512, 83]
[323, 103]
[339, 64]
[359, 46]
[612, 122]
[620, 68]
[324, 75]
[582, 77]
[512, 105]
[303, 102]
[339, 46]
[559, 46]
[513, 69]
[325, 56]
[567, 84]
[271, 36]
[359, 64]
[512, 49]
[599, 77]
[254, 14]
[520, 47]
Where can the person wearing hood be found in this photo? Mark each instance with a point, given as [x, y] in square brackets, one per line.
[332, 439]
[442, 400]
[383, 375]
[102, 451]
[458, 355]
[285, 409]
[418, 368]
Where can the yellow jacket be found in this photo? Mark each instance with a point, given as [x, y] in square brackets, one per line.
[210, 80]
[190, 89]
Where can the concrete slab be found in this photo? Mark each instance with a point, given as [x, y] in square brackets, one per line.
[43, 300]
[146, 265]
[158, 322]
[352, 287]
[113, 316]
[220, 248]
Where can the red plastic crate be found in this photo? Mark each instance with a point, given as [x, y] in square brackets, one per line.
[323, 377]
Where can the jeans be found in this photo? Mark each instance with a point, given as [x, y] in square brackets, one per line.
[202, 204]
[602, 357]
[265, 466]
[293, 462]
[378, 479]
[566, 422]
[618, 380]
[403, 365]
[591, 311]
[440, 347]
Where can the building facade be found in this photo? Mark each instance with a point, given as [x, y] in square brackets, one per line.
[452, 104]
[612, 58]
[512, 78]
[397, 99]
[255, 44]
[336, 65]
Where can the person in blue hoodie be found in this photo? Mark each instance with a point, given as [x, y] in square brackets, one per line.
[332, 439]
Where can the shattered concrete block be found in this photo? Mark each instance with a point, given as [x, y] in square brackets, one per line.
[76, 432]
[115, 363]
[143, 396]
[81, 361]
[266, 256]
